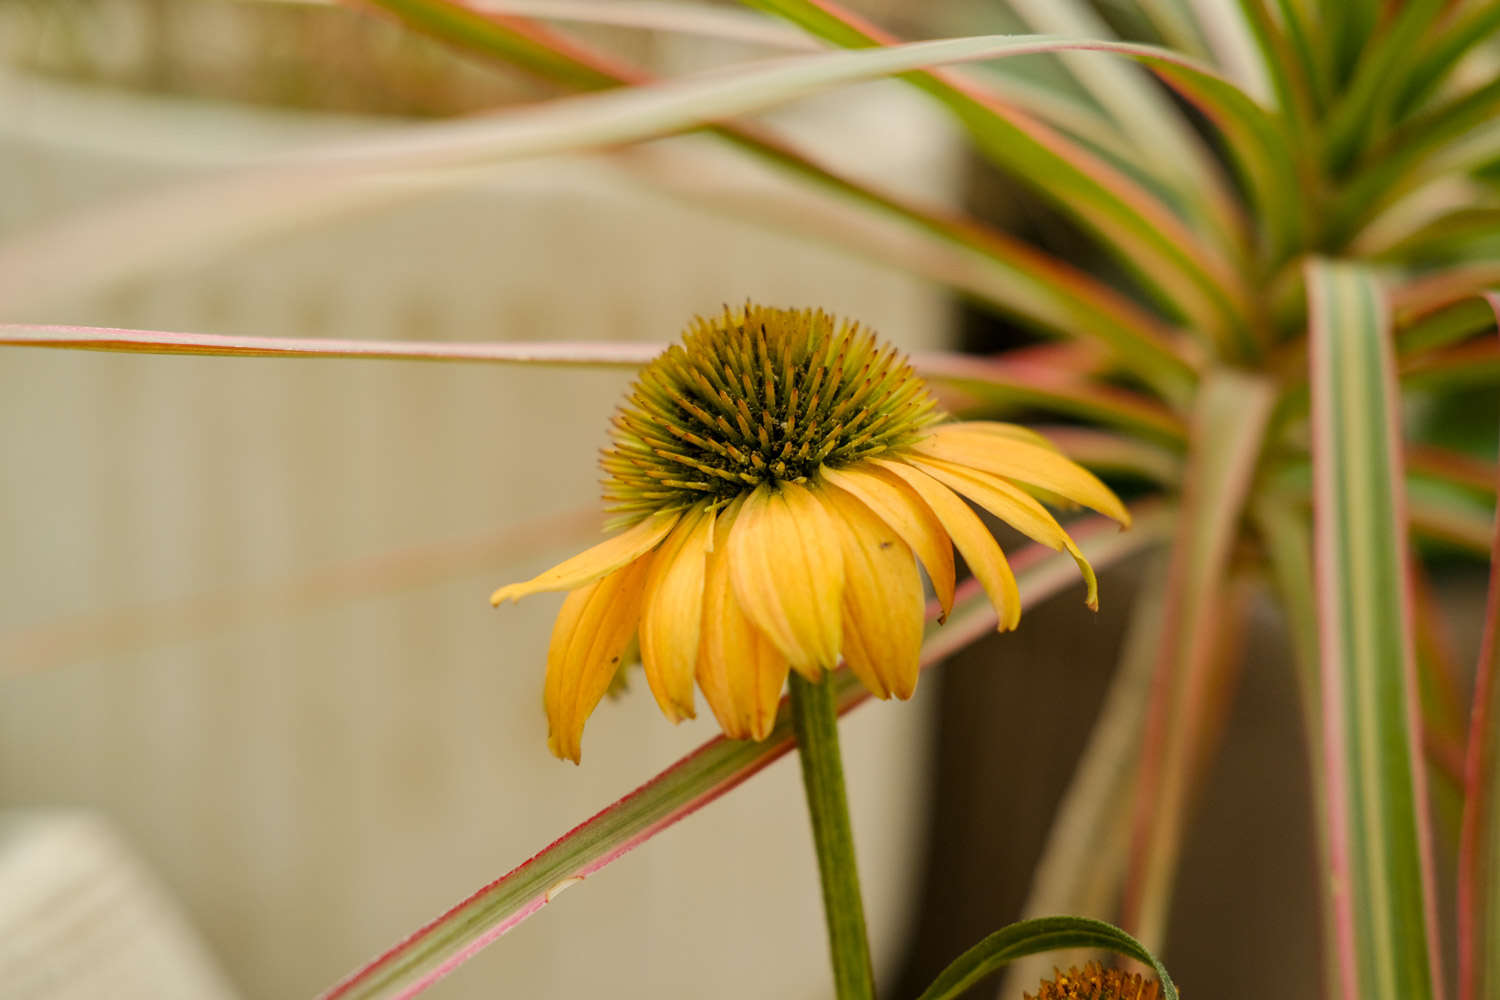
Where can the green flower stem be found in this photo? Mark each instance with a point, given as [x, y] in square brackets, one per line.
[816, 723]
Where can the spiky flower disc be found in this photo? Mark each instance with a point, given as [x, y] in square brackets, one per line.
[1096, 983]
[758, 395]
[781, 476]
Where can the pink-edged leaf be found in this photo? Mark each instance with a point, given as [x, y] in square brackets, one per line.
[91, 338]
[1003, 382]
[674, 18]
[1193, 670]
[443, 945]
[1453, 521]
[1167, 258]
[1442, 704]
[1430, 292]
[1462, 365]
[1379, 841]
[1286, 533]
[1479, 835]
[993, 380]
[1452, 468]
[94, 634]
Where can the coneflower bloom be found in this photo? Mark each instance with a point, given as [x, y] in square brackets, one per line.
[779, 476]
[1095, 983]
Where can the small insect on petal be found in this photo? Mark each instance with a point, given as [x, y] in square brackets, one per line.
[1014, 507]
[895, 503]
[882, 601]
[973, 539]
[588, 640]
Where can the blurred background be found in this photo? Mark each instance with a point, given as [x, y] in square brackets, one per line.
[258, 720]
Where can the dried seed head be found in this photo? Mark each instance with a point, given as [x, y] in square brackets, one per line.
[756, 395]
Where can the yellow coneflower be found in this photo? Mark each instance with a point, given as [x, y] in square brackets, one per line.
[779, 474]
[1095, 983]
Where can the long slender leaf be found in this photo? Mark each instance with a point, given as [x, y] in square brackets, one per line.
[91, 338]
[1362, 106]
[1287, 57]
[86, 635]
[1380, 861]
[1165, 257]
[994, 385]
[1471, 364]
[1227, 431]
[1443, 326]
[1451, 521]
[1440, 55]
[1458, 234]
[992, 381]
[441, 946]
[1287, 541]
[1348, 25]
[1479, 837]
[1082, 864]
[1444, 288]
[1030, 937]
[676, 17]
[1149, 122]
[1391, 168]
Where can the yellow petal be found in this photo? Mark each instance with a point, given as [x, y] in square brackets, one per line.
[1025, 462]
[995, 428]
[672, 613]
[591, 564]
[788, 574]
[588, 640]
[1014, 507]
[979, 548]
[894, 503]
[740, 671]
[882, 600]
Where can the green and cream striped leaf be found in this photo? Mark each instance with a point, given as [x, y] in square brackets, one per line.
[1379, 842]
[1227, 430]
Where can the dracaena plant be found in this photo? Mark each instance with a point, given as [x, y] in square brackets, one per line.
[1277, 278]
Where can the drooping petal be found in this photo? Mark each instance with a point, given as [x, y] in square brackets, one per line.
[595, 625]
[740, 671]
[592, 564]
[1014, 507]
[882, 600]
[983, 448]
[1000, 429]
[672, 613]
[897, 505]
[788, 574]
[979, 548]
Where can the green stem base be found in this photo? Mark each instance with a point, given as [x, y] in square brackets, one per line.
[815, 721]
